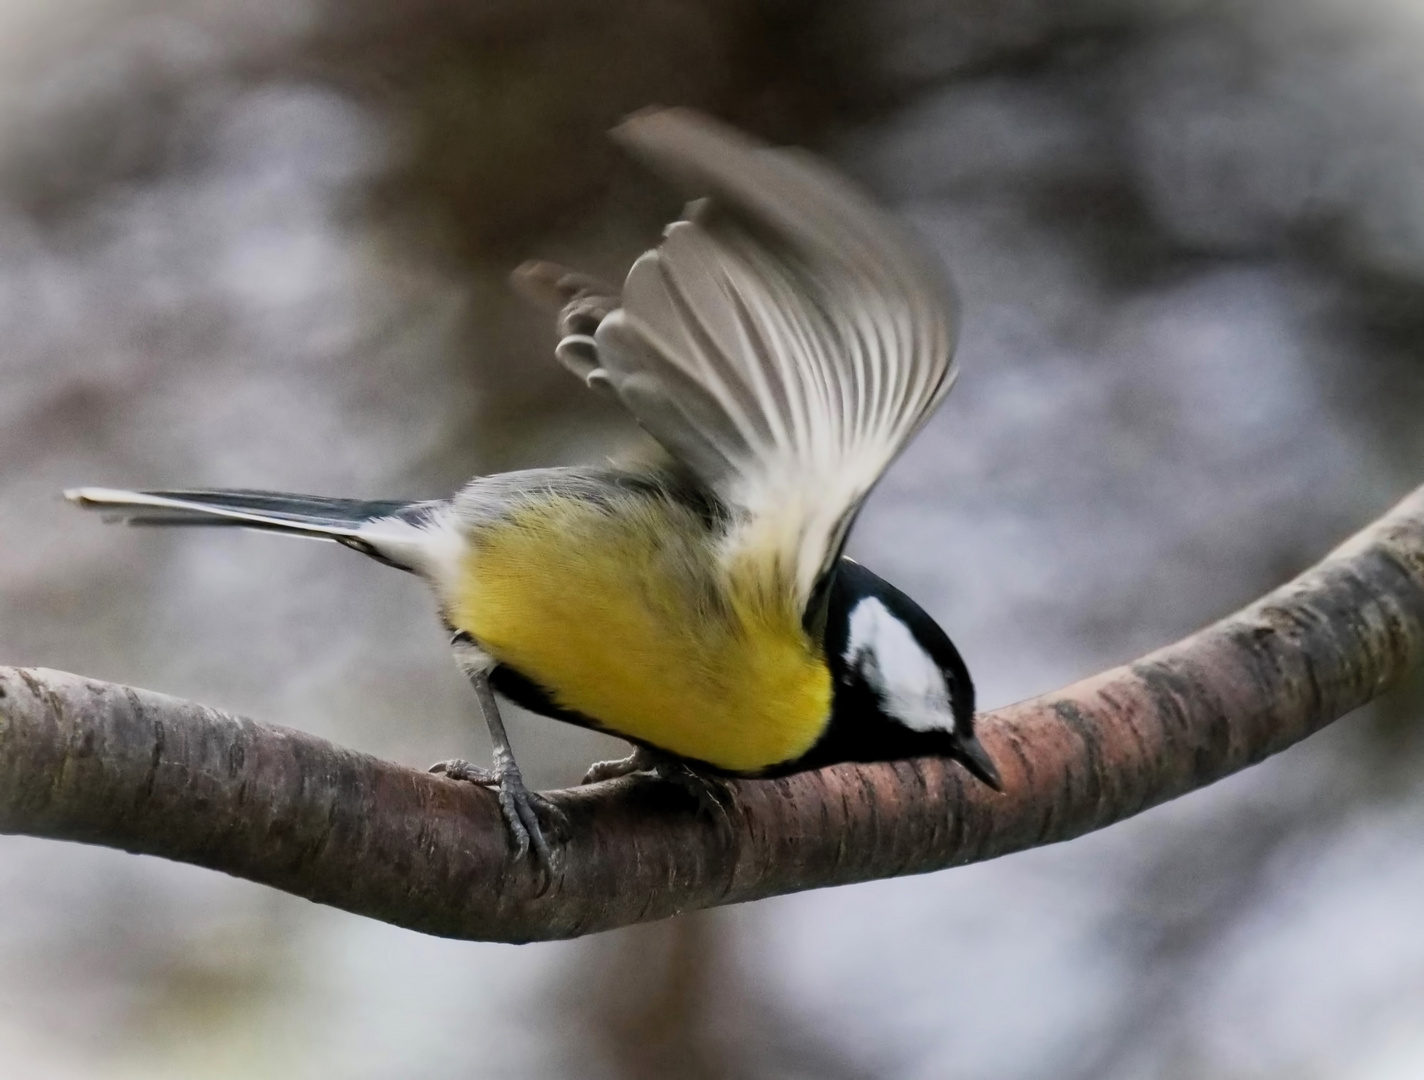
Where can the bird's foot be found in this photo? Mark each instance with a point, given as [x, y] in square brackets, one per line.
[711, 794]
[460, 769]
[521, 807]
[640, 760]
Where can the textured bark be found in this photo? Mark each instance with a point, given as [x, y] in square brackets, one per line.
[105, 764]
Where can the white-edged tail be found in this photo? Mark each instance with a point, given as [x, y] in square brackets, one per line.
[415, 536]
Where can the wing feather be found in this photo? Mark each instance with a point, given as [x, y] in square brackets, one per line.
[784, 341]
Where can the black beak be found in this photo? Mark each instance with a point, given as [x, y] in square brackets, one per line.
[970, 751]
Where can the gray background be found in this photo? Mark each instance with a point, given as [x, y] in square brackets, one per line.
[264, 243]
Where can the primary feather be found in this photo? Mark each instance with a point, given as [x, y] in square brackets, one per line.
[784, 342]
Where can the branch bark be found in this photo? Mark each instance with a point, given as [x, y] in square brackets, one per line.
[106, 764]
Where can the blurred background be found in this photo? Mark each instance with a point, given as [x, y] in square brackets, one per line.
[265, 243]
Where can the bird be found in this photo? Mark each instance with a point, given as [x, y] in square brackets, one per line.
[782, 342]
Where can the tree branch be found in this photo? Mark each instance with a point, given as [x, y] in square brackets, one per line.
[106, 764]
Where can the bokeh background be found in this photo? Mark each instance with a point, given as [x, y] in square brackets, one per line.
[264, 243]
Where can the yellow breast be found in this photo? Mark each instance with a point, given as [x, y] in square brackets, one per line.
[627, 617]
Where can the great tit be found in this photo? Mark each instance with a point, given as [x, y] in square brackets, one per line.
[782, 343]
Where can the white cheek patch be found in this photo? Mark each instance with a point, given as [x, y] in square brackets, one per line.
[910, 684]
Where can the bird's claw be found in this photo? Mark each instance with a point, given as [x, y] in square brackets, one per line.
[711, 794]
[460, 769]
[637, 761]
[520, 807]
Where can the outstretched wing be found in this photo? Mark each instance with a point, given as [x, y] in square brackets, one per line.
[785, 341]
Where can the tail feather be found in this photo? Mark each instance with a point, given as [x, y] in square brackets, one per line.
[308, 515]
[421, 537]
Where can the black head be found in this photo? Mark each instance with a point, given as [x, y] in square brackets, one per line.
[901, 687]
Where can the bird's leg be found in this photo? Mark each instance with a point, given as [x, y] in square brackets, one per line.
[521, 807]
[710, 793]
